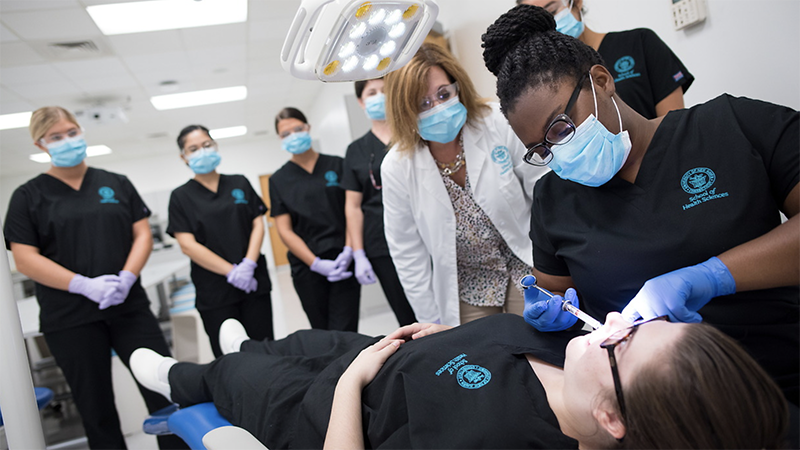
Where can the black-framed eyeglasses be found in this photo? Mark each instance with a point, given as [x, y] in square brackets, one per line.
[610, 343]
[560, 131]
[444, 94]
[371, 174]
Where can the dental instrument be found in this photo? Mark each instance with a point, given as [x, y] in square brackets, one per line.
[565, 305]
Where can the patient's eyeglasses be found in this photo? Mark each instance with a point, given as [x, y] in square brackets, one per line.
[371, 174]
[610, 343]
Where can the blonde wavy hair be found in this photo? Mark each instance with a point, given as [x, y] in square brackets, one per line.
[44, 118]
[406, 87]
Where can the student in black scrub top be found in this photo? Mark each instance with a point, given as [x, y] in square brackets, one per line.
[647, 74]
[492, 383]
[308, 206]
[82, 235]
[678, 215]
[364, 205]
[218, 220]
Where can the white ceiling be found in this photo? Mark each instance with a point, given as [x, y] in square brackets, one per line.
[128, 69]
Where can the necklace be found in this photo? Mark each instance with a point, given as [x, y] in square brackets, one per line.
[450, 168]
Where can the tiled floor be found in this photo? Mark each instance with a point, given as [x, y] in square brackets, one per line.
[376, 318]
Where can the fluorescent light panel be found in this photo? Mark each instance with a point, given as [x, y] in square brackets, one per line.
[16, 120]
[198, 98]
[94, 150]
[139, 17]
[222, 133]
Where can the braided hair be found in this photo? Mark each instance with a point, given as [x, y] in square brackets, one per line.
[523, 50]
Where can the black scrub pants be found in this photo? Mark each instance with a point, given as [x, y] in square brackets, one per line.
[262, 387]
[255, 314]
[390, 283]
[84, 355]
[329, 306]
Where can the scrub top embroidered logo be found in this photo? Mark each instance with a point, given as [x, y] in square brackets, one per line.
[624, 67]
[332, 178]
[468, 376]
[238, 194]
[502, 158]
[107, 195]
[697, 182]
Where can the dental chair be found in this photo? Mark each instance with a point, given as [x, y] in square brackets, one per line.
[201, 427]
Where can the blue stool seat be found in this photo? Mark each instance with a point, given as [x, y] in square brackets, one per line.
[43, 397]
[190, 424]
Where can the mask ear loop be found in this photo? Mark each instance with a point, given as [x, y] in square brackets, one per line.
[594, 96]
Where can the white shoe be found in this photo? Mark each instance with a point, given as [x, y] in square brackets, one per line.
[151, 370]
[231, 336]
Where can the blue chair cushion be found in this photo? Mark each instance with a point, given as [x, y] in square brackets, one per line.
[190, 424]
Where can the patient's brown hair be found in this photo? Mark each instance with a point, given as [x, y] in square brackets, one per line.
[705, 392]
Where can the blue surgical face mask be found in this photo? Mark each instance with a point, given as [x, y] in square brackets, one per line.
[594, 155]
[67, 152]
[567, 23]
[442, 122]
[204, 161]
[297, 143]
[375, 106]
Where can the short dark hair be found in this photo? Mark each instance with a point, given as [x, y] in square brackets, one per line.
[523, 49]
[289, 113]
[187, 130]
[361, 84]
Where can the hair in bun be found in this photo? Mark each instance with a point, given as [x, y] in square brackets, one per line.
[523, 49]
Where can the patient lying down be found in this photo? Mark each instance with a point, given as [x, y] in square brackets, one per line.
[491, 383]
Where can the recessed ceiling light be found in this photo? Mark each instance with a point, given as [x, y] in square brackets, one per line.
[139, 17]
[94, 150]
[198, 98]
[16, 120]
[222, 133]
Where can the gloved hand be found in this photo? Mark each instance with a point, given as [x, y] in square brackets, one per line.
[344, 259]
[339, 274]
[96, 289]
[241, 276]
[544, 313]
[364, 273]
[323, 267]
[681, 293]
[120, 293]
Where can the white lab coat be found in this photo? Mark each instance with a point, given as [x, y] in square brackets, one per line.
[420, 223]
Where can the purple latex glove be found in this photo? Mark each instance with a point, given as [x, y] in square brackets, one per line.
[241, 276]
[95, 289]
[323, 267]
[120, 294]
[364, 272]
[344, 259]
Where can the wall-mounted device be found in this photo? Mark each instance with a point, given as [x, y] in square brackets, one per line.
[688, 12]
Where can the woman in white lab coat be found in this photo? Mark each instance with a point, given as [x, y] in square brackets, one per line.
[456, 194]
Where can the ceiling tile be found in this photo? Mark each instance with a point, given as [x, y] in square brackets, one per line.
[161, 61]
[7, 6]
[144, 43]
[269, 30]
[54, 24]
[46, 91]
[7, 35]
[203, 38]
[18, 54]
[38, 73]
[12, 103]
[119, 84]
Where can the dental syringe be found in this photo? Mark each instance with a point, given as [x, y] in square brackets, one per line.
[526, 283]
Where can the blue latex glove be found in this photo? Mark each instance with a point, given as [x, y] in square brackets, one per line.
[120, 294]
[95, 289]
[544, 313]
[344, 259]
[364, 272]
[241, 276]
[681, 293]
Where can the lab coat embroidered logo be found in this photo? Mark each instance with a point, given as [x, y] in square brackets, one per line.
[469, 376]
[332, 178]
[624, 67]
[107, 195]
[502, 158]
[238, 195]
[697, 182]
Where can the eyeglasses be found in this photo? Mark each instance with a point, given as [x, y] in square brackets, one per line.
[371, 175]
[560, 131]
[209, 144]
[444, 94]
[285, 133]
[61, 136]
[610, 343]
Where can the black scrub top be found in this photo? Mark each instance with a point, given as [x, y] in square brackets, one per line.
[88, 231]
[362, 154]
[469, 387]
[713, 177]
[644, 68]
[222, 221]
[315, 203]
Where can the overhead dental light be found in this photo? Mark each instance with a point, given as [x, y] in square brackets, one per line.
[349, 40]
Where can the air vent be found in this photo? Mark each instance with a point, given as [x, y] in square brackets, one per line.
[75, 47]
[158, 135]
[71, 50]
